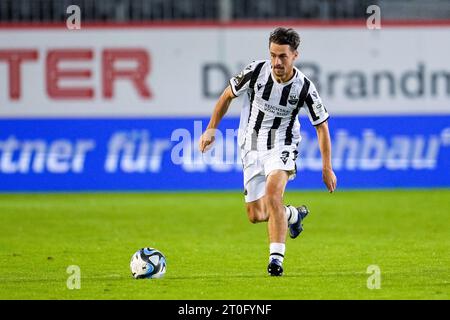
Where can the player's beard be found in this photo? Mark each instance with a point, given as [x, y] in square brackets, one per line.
[280, 72]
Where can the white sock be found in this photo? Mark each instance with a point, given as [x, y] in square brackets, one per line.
[291, 214]
[277, 251]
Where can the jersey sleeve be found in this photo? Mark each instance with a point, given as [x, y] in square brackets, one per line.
[315, 109]
[241, 82]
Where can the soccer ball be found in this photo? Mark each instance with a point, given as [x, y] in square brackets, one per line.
[148, 263]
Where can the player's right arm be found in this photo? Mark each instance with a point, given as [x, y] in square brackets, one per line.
[221, 108]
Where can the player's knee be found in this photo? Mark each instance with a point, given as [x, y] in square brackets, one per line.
[254, 215]
[253, 219]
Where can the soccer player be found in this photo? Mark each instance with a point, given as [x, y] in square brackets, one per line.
[269, 134]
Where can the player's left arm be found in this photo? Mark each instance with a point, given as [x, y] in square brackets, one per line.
[328, 176]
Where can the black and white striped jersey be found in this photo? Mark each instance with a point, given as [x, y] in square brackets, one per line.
[269, 118]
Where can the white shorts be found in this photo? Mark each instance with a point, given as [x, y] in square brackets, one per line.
[259, 164]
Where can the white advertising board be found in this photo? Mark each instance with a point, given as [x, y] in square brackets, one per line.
[158, 71]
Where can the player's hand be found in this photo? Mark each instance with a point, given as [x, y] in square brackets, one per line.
[206, 140]
[330, 180]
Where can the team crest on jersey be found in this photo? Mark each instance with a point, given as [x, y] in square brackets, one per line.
[293, 99]
[259, 85]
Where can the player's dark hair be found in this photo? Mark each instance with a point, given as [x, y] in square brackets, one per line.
[283, 36]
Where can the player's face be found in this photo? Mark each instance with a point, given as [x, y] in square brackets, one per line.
[282, 58]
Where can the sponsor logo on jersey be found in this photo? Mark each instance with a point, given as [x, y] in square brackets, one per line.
[318, 106]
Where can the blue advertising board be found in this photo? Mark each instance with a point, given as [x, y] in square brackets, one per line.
[146, 154]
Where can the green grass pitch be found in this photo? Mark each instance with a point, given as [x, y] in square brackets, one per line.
[213, 252]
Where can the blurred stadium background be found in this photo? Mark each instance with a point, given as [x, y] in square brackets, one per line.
[219, 10]
[119, 104]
